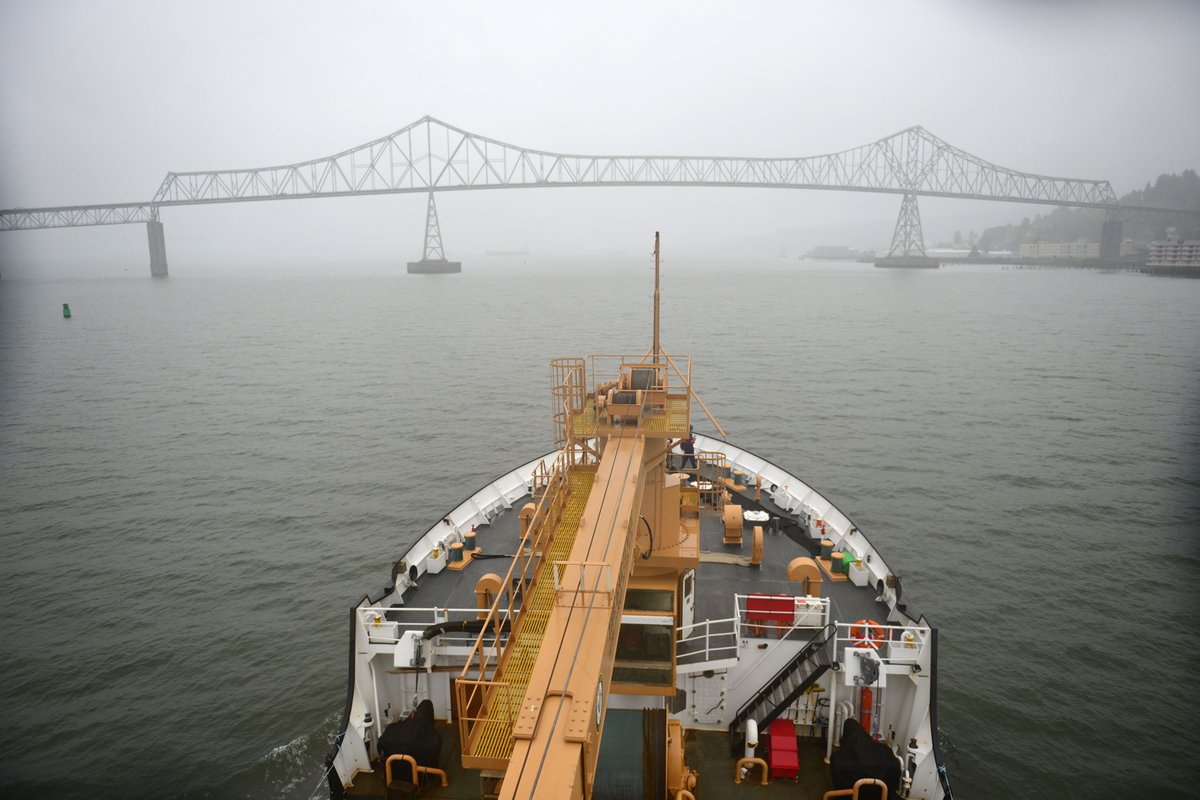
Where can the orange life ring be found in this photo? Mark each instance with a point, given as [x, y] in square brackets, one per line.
[868, 633]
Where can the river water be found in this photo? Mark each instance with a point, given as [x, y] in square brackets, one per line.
[202, 475]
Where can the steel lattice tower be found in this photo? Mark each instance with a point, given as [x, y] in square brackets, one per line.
[433, 234]
[908, 239]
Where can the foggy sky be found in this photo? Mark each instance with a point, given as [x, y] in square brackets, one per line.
[99, 100]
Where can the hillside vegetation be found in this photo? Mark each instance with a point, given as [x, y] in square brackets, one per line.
[1073, 224]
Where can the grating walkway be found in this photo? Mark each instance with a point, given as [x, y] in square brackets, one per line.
[494, 739]
[673, 423]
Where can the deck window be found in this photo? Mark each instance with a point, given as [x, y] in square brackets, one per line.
[650, 600]
[645, 654]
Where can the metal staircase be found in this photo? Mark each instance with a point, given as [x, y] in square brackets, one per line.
[784, 688]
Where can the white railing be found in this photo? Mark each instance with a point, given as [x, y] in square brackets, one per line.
[756, 616]
[778, 616]
[388, 625]
[706, 642]
[895, 644]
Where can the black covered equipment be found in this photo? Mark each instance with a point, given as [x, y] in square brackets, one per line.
[862, 757]
[416, 737]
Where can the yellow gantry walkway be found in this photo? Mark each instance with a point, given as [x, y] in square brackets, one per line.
[556, 738]
[673, 421]
[495, 737]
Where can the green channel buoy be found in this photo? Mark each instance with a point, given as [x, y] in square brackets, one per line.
[66, 310]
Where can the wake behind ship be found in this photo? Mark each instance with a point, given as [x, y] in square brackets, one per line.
[641, 613]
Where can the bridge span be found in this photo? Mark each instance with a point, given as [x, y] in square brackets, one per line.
[431, 156]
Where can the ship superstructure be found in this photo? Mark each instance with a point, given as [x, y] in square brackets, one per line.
[642, 613]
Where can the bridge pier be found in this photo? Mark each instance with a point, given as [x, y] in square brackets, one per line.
[158, 249]
[433, 261]
[1110, 237]
[908, 240]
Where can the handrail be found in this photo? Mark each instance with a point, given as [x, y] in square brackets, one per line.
[370, 618]
[692, 393]
[887, 640]
[692, 626]
[526, 567]
[477, 694]
[818, 641]
[683, 639]
[483, 657]
[809, 603]
[529, 543]
[785, 636]
[686, 634]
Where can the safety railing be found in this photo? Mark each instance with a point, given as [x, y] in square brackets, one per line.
[644, 388]
[483, 684]
[495, 675]
[756, 616]
[487, 710]
[779, 616]
[894, 644]
[551, 489]
[567, 391]
[706, 642]
[583, 583]
[384, 625]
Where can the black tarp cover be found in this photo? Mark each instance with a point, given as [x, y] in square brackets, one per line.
[415, 736]
[861, 757]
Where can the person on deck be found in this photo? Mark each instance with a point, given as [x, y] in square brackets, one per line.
[688, 446]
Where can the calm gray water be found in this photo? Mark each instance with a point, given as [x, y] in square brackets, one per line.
[200, 476]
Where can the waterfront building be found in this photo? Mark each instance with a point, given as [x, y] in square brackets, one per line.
[1060, 250]
[1174, 253]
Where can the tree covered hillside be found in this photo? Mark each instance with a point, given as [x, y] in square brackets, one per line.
[1073, 224]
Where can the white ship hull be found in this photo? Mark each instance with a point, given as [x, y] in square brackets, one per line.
[722, 659]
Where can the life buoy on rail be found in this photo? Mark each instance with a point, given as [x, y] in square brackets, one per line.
[868, 633]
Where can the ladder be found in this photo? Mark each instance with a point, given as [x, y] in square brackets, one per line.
[784, 688]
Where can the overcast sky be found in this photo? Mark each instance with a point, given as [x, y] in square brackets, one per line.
[100, 99]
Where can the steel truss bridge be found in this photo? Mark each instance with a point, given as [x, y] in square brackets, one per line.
[431, 156]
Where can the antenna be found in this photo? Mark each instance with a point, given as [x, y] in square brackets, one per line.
[657, 348]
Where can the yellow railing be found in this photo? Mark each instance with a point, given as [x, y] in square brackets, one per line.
[492, 684]
[580, 583]
[671, 420]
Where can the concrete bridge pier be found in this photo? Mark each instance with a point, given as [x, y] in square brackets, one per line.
[158, 249]
[1110, 237]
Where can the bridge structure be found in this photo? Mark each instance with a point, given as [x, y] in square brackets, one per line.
[430, 156]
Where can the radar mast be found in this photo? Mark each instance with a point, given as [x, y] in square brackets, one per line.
[657, 347]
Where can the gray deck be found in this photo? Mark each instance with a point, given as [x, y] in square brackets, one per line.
[456, 589]
[716, 584]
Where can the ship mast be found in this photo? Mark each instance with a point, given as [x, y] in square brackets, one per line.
[657, 348]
